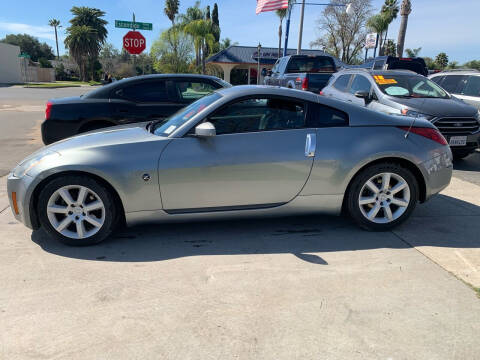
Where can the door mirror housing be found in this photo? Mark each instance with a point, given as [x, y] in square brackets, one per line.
[365, 95]
[205, 129]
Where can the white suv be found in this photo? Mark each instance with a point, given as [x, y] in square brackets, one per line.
[463, 84]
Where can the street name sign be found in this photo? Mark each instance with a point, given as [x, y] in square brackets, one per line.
[133, 25]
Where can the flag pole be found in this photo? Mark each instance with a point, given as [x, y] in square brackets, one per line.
[287, 28]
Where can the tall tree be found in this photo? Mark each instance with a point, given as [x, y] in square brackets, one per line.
[201, 31]
[207, 13]
[441, 60]
[281, 15]
[82, 43]
[405, 10]
[193, 13]
[171, 9]
[30, 45]
[343, 34]
[390, 9]
[87, 26]
[55, 24]
[216, 23]
[165, 59]
[379, 24]
[413, 53]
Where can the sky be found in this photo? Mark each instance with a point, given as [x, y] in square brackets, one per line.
[435, 25]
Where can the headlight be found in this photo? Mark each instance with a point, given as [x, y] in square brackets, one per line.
[29, 163]
[416, 114]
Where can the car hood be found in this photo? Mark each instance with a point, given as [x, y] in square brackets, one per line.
[438, 107]
[117, 135]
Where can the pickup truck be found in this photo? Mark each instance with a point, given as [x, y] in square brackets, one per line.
[303, 72]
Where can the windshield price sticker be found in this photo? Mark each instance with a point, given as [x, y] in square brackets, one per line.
[380, 80]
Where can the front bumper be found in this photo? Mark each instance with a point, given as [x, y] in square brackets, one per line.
[21, 188]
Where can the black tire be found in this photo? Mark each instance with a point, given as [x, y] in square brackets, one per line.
[361, 179]
[111, 214]
[460, 154]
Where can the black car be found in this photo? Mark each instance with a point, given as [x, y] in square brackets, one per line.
[136, 99]
[395, 63]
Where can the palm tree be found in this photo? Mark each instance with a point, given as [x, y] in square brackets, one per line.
[171, 9]
[390, 8]
[82, 43]
[201, 31]
[55, 23]
[87, 25]
[281, 14]
[193, 13]
[405, 10]
[379, 24]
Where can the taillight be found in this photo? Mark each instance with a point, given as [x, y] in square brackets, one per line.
[321, 92]
[48, 110]
[432, 134]
[305, 83]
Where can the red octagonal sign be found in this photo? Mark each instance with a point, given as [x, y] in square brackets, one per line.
[134, 42]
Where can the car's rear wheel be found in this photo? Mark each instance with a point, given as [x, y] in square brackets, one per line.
[382, 196]
[77, 210]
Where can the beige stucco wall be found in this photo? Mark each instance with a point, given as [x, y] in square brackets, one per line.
[10, 64]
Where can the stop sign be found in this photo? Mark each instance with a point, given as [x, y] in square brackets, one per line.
[134, 42]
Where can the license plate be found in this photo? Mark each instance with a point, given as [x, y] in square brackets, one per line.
[458, 141]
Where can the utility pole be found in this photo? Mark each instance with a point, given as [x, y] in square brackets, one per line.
[300, 30]
[259, 48]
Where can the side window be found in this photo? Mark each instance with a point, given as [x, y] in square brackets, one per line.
[342, 82]
[320, 116]
[454, 83]
[437, 80]
[259, 114]
[189, 91]
[151, 91]
[472, 87]
[378, 65]
[360, 83]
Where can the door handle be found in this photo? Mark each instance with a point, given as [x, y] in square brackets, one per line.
[310, 145]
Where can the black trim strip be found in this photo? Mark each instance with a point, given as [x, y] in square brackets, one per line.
[222, 208]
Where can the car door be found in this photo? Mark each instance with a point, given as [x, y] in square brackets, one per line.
[143, 101]
[261, 157]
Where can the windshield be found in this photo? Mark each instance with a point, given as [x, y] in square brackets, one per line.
[409, 86]
[311, 64]
[170, 124]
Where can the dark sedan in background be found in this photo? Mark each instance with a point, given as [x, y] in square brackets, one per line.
[136, 99]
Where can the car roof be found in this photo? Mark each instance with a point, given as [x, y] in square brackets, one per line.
[247, 90]
[377, 72]
[457, 72]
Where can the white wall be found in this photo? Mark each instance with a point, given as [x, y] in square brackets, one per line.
[10, 64]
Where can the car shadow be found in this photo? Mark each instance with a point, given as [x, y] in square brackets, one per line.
[470, 163]
[444, 221]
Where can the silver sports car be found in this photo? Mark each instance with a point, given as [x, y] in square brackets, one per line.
[246, 150]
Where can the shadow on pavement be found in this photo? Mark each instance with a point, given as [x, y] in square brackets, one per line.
[443, 222]
[470, 163]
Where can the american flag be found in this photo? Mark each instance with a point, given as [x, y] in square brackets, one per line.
[270, 5]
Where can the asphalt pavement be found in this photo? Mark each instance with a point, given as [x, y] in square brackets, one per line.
[314, 287]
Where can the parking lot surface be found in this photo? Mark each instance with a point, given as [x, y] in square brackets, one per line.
[312, 287]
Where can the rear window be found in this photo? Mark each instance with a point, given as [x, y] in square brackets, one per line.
[342, 82]
[311, 64]
[320, 116]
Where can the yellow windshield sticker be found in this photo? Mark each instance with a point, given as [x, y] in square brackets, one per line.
[380, 80]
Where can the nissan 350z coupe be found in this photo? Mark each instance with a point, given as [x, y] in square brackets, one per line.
[247, 150]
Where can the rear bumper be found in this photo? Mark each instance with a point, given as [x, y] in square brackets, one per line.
[437, 172]
[53, 131]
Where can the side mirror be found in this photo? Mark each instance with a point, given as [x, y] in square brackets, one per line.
[205, 129]
[365, 95]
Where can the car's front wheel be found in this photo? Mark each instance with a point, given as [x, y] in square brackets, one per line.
[77, 210]
[382, 196]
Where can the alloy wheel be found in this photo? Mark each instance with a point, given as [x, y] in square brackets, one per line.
[384, 198]
[76, 211]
